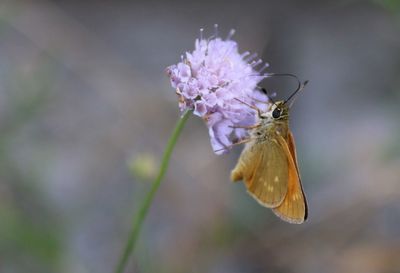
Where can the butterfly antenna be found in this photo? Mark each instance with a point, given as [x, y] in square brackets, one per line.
[287, 75]
[300, 85]
[299, 88]
[266, 93]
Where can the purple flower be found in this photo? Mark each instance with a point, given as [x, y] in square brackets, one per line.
[217, 82]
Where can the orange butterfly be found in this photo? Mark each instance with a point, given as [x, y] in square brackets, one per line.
[268, 164]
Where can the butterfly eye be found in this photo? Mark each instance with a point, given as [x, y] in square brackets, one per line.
[276, 113]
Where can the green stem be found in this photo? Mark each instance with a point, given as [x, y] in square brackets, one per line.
[144, 207]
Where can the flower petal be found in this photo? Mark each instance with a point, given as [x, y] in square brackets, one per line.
[211, 80]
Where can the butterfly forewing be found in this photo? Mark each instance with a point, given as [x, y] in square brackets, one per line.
[294, 207]
[263, 167]
[292, 149]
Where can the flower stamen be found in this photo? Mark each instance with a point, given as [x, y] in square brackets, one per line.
[210, 79]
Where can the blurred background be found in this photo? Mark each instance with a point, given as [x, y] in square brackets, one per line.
[86, 110]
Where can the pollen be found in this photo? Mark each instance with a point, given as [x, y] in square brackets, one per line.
[295, 197]
[276, 179]
[270, 188]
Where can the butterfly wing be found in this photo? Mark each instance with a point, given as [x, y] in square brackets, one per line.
[292, 149]
[294, 207]
[263, 167]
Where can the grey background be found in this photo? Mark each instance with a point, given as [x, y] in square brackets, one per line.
[83, 97]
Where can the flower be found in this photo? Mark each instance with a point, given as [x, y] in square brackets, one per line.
[219, 85]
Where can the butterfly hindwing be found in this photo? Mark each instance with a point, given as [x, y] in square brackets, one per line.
[263, 167]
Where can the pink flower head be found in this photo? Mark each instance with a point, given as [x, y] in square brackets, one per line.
[217, 82]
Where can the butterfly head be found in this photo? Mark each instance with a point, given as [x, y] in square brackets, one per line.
[280, 111]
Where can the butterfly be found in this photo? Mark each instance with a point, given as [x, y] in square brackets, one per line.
[268, 164]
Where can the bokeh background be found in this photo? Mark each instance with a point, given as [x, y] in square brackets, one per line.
[86, 110]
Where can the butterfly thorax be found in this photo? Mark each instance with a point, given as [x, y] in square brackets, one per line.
[268, 129]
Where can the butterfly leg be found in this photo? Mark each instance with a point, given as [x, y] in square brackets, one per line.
[260, 101]
[251, 106]
[245, 140]
[246, 127]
